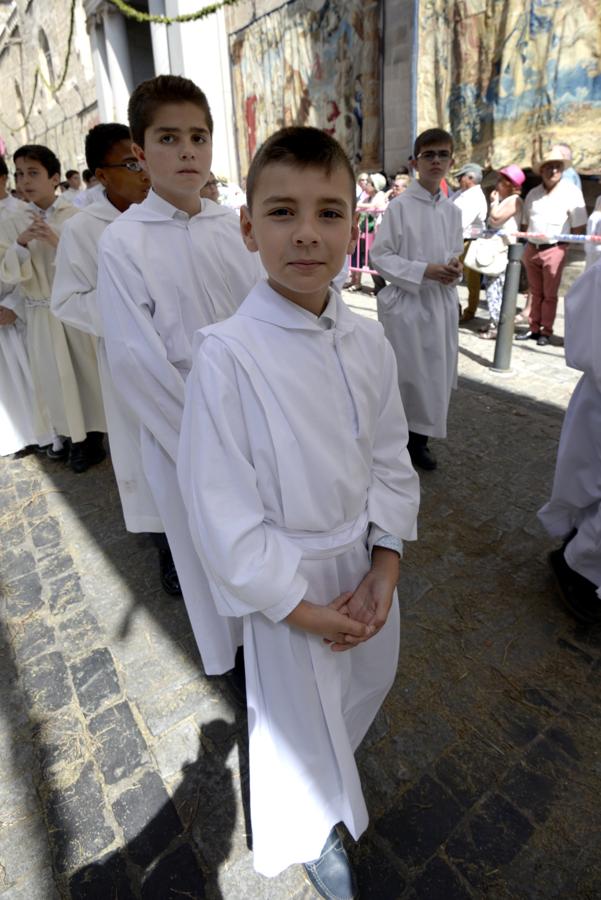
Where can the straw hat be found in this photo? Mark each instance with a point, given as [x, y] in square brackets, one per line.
[555, 155]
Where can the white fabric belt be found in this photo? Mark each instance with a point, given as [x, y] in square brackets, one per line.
[30, 303]
[326, 544]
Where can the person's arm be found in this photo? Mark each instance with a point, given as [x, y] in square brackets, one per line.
[149, 383]
[74, 299]
[252, 565]
[386, 256]
[502, 210]
[578, 215]
[15, 259]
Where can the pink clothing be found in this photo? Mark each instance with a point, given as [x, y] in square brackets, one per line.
[544, 268]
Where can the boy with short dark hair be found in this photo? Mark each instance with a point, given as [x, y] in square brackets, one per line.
[63, 360]
[110, 157]
[416, 249]
[166, 267]
[294, 466]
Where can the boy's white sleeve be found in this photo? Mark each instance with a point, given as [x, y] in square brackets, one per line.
[386, 256]
[141, 371]
[393, 496]
[251, 565]
[15, 261]
[73, 299]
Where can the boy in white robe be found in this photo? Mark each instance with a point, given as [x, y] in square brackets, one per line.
[294, 466]
[416, 249]
[62, 359]
[574, 509]
[167, 267]
[123, 182]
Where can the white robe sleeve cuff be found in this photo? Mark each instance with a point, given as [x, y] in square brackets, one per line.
[377, 537]
[23, 253]
[298, 590]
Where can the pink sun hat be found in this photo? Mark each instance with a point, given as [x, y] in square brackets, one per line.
[514, 174]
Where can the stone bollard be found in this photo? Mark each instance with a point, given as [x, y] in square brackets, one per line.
[505, 330]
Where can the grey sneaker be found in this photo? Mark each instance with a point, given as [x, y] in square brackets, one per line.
[331, 875]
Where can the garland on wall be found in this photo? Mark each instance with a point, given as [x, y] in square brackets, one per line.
[158, 19]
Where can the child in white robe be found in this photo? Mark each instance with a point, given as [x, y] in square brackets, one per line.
[573, 512]
[74, 301]
[294, 466]
[167, 267]
[62, 359]
[416, 249]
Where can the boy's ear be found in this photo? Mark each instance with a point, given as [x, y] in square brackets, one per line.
[354, 235]
[246, 230]
[138, 152]
[55, 180]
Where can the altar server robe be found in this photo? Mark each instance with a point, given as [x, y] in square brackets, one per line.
[74, 301]
[420, 316]
[62, 359]
[162, 275]
[293, 442]
[576, 495]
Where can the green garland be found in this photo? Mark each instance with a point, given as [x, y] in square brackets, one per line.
[138, 16]
[38, 76]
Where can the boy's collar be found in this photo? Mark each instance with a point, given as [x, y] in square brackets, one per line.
[266, 305]
[156, 207]
[423, 193]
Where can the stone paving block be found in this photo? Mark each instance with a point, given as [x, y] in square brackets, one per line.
[46, 532]
[530, 791]
[377, 878]
[176, 748]
[13, 538]
[240, 880]
[78, 632]
[121, 747]
[440, 881]
[18, 800]
[95, 680]
[54, 562]
[36, 508]
[15, 562]
[176, 875]
[420, 821]
[77, 825]
[493, 835]
[26, 487]
[148, 818]
[429, 736]
[46, 683]
[23, 851]
[469, 770]
[163, 711]
[22, 596]
[105, 879]
[38, 885]
[31, 638]
[60, 742]
[65, 592]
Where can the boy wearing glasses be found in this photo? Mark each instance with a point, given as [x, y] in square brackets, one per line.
[416, 249]
[167, 267]
[74, 300]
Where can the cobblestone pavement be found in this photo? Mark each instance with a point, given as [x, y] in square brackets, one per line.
[123, 769]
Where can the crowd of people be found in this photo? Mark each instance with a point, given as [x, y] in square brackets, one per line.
[261, 432]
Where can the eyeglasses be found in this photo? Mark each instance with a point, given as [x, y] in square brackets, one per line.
[431, 155]
[131, 166]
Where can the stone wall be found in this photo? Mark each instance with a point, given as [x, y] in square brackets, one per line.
[58, 120]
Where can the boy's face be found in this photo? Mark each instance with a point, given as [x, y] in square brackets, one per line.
[177, 153]
[123, 187]
[74, 181]
[430, 166]
[303, 226]
[33, 180]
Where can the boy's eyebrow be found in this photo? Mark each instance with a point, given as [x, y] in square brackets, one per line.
[329, 200]
[177, 129]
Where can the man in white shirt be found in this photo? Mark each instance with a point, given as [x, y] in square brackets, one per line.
[471, 201]
[553, 208]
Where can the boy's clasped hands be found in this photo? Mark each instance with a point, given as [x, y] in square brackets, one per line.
[444, 273]
[38, 230]
[354, 616]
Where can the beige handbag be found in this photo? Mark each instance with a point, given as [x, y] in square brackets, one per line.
[487, 255]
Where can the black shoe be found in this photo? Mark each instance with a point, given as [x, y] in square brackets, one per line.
[235, 680]
[528, 336]
[542, 340]
[421, 456]
[577, 592]
[87, 453]
[168, 574]
[78, 458]
[331, 875]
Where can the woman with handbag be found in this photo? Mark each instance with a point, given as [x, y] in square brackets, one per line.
[505, 213]
[375, 198]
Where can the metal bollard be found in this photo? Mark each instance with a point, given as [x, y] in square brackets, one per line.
[506, 327]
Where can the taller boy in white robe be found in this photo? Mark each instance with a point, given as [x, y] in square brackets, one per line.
[292, 459]
[419, 315]
[63, 360]
[74, 301]
[162, 274]
[575, 501]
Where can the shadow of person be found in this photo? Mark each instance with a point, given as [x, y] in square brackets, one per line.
[174, 847]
